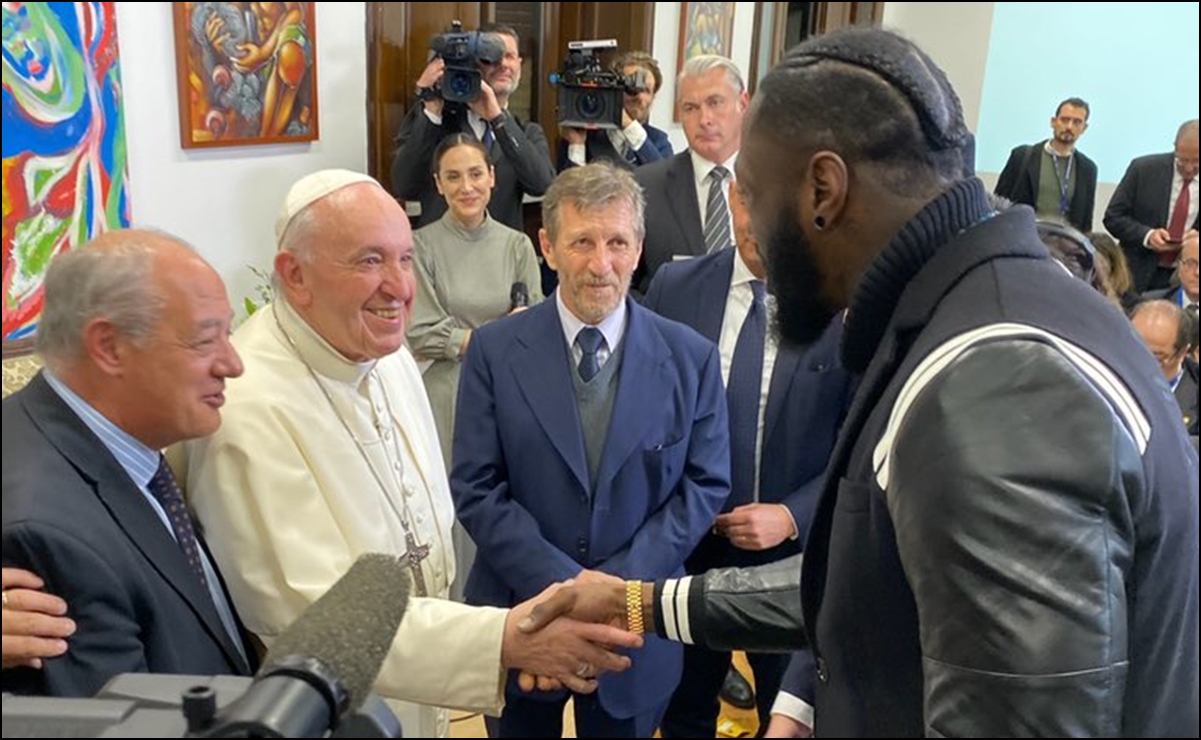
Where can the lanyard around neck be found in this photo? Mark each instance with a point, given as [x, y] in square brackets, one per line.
[1064, 178]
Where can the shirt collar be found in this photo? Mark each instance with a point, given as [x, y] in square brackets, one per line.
[742, 274]
[613, 326]
[139, 461]
[701, 167]
[313, 349]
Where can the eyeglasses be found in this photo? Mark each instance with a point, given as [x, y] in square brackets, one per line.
[1193, 162]
[1190, 265]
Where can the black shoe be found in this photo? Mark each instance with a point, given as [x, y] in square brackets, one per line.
[736, 691]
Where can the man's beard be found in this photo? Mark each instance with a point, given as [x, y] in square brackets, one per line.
[802, 311]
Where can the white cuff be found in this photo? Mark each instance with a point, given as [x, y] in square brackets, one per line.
[674, 604]
[793, 708]
[635, 135]
[435, 119]
[577, 154]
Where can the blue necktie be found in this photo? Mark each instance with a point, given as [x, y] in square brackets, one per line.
[489, 137]
[590, 340]
[166, 491]
[742, 395]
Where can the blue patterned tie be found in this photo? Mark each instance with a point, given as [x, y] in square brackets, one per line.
[590, 340]
[742, 395]
[489, 137]
[717, 213]
[166, 491]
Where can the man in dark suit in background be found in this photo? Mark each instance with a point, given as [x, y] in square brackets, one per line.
[1154, 210]
[783, 424]
[688, 194]
[517, 150]
[1168, 333]
[637, 142]
[1054, 177]
[598, 446]
[135, 335]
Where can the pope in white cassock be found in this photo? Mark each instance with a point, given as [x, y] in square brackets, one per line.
[328, 450]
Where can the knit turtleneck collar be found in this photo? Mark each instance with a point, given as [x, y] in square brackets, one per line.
[958, 208]
[456, 227]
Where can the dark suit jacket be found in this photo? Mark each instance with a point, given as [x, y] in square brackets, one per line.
[673, 223]
[1019, 183]
[521, 484]
[1186, 396]
[806, 402]
[1139, 205]
[598, 147]
[73, 516]
[520, 156]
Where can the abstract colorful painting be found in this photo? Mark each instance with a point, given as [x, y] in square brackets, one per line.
[65, 164]
[247, 73]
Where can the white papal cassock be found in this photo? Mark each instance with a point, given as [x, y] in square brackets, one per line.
[318, 460]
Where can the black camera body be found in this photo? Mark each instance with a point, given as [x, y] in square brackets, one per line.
[590, 96]
[464, 52]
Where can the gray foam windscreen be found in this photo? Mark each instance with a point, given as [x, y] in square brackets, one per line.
[350, 629]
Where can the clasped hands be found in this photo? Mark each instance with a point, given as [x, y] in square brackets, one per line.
[570, 634]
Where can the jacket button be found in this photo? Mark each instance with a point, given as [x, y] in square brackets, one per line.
[822, 674]
[581, 546]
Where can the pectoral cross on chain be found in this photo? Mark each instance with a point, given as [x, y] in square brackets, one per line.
[413, 557]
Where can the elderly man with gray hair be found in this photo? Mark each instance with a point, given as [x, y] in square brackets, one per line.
[135, 336]
[598, 446]
[690, 192]
[329, 451]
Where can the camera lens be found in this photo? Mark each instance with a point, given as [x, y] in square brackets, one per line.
[459, 85]
[590, 106]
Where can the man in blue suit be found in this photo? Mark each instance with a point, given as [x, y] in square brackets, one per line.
[637, 142]
[783, 424]
[598, 445]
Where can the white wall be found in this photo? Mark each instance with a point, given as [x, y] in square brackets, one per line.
[666, 47]
[224, 201]
[956, 36]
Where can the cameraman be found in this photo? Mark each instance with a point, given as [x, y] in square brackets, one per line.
[637, 142]
[517, 150]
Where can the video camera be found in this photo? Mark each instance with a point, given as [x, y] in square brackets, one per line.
[464, 52]
[591, 96]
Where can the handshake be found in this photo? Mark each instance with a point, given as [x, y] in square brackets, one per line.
[571, 633]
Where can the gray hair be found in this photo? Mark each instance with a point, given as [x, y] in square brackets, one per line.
[593, 186]
[705, 63]
[113, 283]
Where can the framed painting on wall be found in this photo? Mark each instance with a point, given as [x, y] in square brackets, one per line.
[246, 73]
[705, 28]
[66, 173]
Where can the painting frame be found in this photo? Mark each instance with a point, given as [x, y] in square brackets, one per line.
[259, 90]
[700, 33]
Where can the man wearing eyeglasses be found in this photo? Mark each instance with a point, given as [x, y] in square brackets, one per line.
[1153, 212]
[1053, 177]
[1167, 331]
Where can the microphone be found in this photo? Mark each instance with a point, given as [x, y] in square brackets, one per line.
[326, 662]
[519, 296]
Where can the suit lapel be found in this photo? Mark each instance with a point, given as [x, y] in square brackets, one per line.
[128, 507]
[781, 381]
[541, 371]
[643, 383]
[681, 188]
[1161, 189]
[712, 288]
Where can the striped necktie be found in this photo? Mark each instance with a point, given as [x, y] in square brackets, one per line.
[717, 213]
